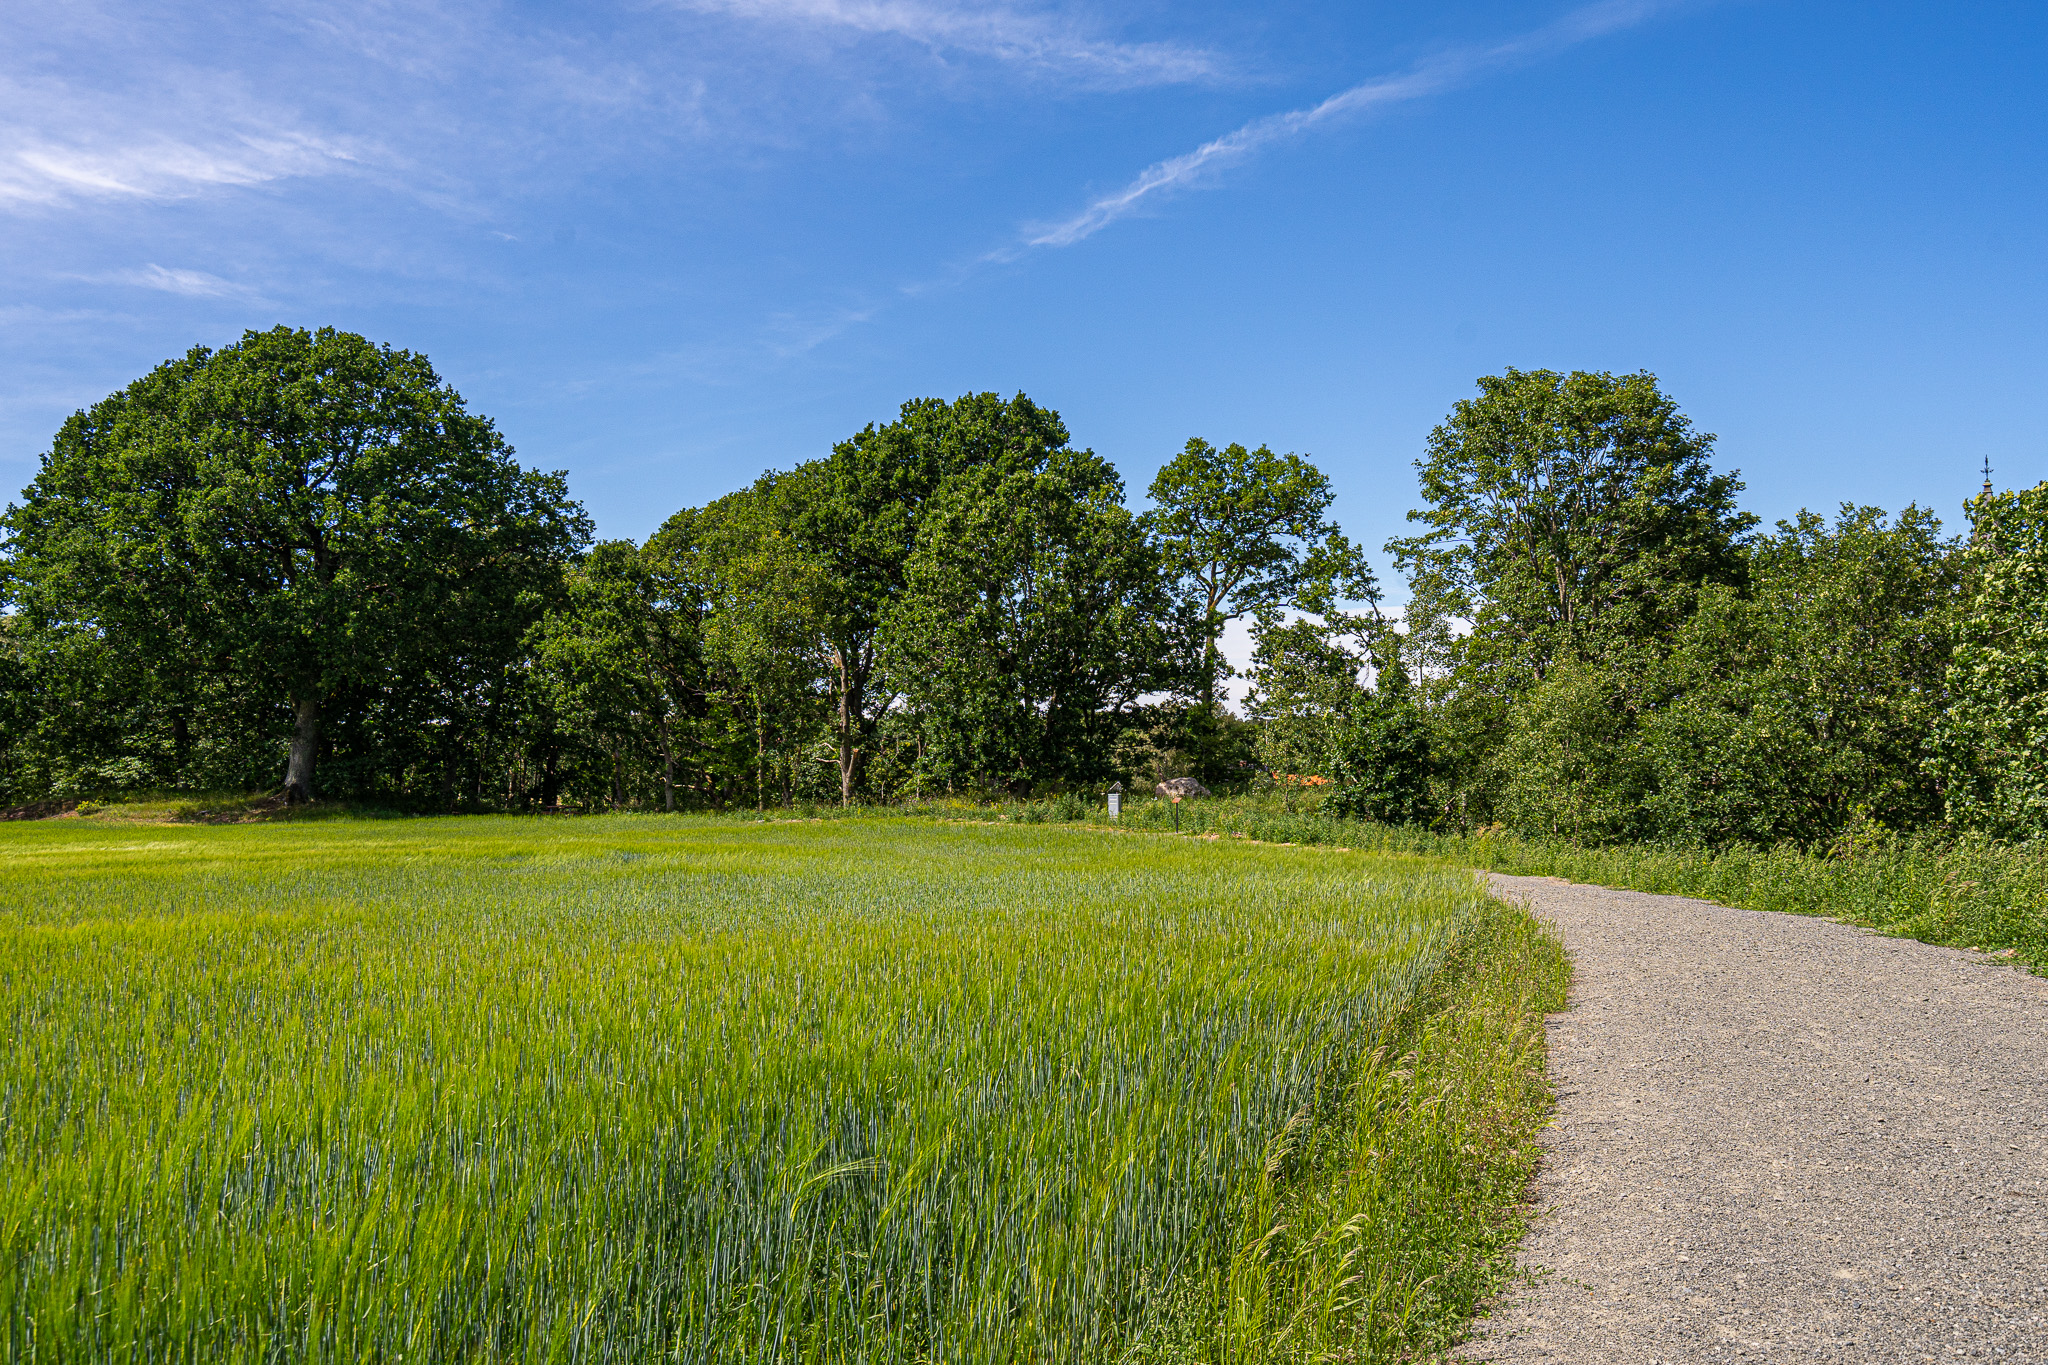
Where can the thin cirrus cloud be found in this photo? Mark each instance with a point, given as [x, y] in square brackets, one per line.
[1022, 38]
[1432, 76]
[790, 335]
[108, 105]
[192, 284]
[41, 171]
[105, 101]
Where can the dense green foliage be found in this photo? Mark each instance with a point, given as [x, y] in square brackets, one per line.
[698, 1090]
[303, 547]
[300, 532]
[1991, 740]
[1567, 514]
[1030, 625]
[1794, 709]
[1319, 719]
[1244, 533]
[1607, 651]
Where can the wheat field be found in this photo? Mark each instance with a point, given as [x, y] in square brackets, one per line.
[675, 1089]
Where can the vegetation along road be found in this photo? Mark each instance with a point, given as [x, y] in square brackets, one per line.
[1782, 1138]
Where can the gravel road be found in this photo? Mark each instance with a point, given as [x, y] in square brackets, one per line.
[1781, 1138]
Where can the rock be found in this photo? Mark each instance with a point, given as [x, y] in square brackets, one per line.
[1181, 787]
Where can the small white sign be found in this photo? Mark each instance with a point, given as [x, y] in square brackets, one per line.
[1116, 805]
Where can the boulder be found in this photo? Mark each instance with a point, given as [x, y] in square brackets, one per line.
[1182, 787]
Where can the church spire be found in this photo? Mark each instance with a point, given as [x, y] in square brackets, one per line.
[1982, 508]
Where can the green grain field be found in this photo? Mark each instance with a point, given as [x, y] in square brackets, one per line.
[675, 1089]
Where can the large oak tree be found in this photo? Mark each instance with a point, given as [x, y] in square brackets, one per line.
[305, 514]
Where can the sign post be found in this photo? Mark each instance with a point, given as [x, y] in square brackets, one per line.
[1116, 800]
[1177, 790]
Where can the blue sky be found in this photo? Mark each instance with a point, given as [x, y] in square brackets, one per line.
[669, 243]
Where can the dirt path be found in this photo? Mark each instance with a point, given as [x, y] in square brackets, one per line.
[1780, 1138]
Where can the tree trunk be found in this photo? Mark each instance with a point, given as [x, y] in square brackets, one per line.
[298, 768]
[1212, 630]
[1209, 653]
[849, 755]
[668, 770]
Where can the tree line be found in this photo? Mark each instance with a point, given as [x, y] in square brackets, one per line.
[300, 563]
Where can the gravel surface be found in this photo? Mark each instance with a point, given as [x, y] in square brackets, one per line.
[1781, 1138]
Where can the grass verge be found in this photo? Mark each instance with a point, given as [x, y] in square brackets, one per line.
[1389, 1215]
[1968, 894]
[1957, 892]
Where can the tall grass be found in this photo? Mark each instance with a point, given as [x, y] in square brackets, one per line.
[1386, 1217]
[1961, 892]
[692, 1090]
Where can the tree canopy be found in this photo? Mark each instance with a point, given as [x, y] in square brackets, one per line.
[1989, 739]
[1564, 513]
[301, 554]
[303, 516]
[1033, 619]
[857, 513]
[1246, 531]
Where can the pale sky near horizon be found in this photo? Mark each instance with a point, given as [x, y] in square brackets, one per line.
[666, 244]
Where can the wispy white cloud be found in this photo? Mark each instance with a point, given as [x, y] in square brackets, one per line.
[192, 284]
[788, 335]
[133, 164]
[449, 102]
[1431, 76]
[1029, 38]
[30, 315]
[466, 106]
